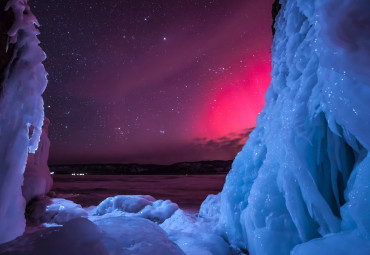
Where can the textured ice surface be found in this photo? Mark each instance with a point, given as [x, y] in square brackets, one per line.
[304, 173]
[37, 178]
[21, 106]
[194, 236]
[210, 208]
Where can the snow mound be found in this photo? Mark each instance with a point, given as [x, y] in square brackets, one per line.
[210, 208]
[138, 205]
[304, 172]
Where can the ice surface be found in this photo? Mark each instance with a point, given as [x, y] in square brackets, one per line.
[21, 106]
[37, 178]
[304, 172]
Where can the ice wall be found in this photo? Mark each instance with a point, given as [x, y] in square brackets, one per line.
[21, 106]
[304, 173]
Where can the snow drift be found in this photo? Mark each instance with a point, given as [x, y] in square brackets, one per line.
[21, 106]
[304, 173]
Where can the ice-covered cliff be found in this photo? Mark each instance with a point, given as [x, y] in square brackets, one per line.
[304, 173]
[23, 80]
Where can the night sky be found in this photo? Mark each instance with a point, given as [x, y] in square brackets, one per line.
[153, 81]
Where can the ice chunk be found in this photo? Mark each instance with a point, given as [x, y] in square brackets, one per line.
[158, 211]
[195, 237]
[55, 210]
[125, 203]
[210, 208]
[138, 205]
[21, 106]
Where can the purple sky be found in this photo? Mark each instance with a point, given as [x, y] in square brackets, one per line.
[153, 81]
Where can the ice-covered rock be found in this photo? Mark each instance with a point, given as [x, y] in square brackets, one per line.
[194, 236]
[21, 106]
[124, 203]
[37, 178]
[53, 211]
[158, 211]
[304, 172]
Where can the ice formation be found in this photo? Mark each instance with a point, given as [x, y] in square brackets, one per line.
[137, 205]
[37, 178]
[303, 176]
[21, 106]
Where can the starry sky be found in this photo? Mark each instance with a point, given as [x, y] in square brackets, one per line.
[139, 81]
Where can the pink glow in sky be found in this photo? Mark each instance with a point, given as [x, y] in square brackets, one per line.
[153, 82]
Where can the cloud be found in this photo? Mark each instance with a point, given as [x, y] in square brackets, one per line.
[232, 143]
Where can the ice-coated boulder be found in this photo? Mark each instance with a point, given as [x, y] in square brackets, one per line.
[144, 206]
[53, 211]
[23, 80]
[303, 176]
[195, 236]
[37, 178]
[125, 203]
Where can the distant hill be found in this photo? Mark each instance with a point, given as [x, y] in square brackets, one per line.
[200, 167]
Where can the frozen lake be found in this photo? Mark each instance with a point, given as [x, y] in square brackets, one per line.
[187, 191]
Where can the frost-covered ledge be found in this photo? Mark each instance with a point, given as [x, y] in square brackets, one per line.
[23, 81]
[304, 173]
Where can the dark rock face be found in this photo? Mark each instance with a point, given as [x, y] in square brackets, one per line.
[276, 6]
[6, 51]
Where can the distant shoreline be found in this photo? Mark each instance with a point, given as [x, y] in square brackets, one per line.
[182, 168]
